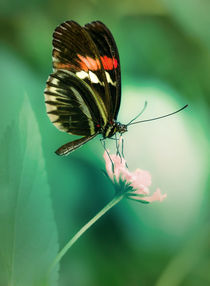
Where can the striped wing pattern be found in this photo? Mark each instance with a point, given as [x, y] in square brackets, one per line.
[69, 106]
[75, 51]
[107, 48]
[82, 94]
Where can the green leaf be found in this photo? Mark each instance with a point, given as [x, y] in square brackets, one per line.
[28, 239]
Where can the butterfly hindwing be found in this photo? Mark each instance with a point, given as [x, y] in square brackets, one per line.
[69, 104]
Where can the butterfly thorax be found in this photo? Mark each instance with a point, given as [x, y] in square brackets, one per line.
[113, 127]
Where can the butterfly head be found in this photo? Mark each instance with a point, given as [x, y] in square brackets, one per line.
[121, 128]
[112, 128]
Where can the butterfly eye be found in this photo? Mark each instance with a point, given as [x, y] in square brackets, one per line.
[123, 128]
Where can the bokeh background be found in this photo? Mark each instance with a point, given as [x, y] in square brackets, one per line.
[164, 48]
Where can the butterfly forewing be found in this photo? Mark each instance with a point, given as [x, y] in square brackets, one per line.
[109, 55]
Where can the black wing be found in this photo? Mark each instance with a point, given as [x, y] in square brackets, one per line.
[83, 93]
[75, 51]
[70, 104]
[109, 55]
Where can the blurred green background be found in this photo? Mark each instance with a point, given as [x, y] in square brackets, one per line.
[164, 48]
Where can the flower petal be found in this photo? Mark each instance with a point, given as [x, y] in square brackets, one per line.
[142, 190]
[142, 178]
[156, 196]
[136, 183]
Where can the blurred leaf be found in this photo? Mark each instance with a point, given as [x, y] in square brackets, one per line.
[12, 7]
[193, 16]
[17, 79]
[164, 52]
[189, 261]
[28, 240]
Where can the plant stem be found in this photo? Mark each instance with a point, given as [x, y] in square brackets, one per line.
[71, 242]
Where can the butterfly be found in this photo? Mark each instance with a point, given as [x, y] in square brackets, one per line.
[83, 93]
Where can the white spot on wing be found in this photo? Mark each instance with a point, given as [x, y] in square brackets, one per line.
[52, 89]
[55, 59]
[93, 77]
[50, 107]
[58, 40]
[56, 32]
[67, 24]
[53, 117]
[82, 74]
[62, 27]
[54, 81]
[109, 80]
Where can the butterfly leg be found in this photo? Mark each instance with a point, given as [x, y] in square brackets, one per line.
[121, 140]
[118, 142]
[117, 145]
[104, 146]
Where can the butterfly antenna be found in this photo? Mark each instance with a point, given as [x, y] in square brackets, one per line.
[140, 113]
[146, 120]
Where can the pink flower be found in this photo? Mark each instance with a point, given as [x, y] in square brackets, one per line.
[136, 184]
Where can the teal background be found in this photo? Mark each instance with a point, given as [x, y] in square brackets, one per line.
[44, 199]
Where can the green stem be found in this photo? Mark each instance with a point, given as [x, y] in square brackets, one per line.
[71, 242]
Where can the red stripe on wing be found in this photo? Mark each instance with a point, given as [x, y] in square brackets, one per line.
[88, 63]
[109, 63]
